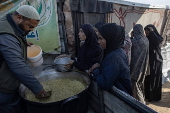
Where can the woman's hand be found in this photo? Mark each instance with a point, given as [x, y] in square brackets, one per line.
[150, 29]
[68, 66]
[94, 66]
[61, 56]
[90, 71]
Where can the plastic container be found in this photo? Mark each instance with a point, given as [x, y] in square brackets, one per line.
[34, 55]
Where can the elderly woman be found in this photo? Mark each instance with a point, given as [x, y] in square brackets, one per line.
[114, 69]
[139, 62]
[153, 82]
[90, 52]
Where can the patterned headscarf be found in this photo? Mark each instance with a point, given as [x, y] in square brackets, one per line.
[138, 31]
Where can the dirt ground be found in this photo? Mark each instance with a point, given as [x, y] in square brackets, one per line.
[163, 106]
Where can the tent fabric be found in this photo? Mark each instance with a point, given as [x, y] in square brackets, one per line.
[91, 6]
[128, 16]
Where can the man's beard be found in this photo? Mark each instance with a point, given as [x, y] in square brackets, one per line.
[26, 33]
[22, 28]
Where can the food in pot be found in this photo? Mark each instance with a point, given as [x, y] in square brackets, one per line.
[60, 89]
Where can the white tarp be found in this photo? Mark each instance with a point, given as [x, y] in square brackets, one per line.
[166, 63]
[165, 4]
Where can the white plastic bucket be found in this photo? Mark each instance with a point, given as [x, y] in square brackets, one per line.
[34, 55]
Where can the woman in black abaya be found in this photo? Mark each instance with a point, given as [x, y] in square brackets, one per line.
[153, 82]
[90, 52]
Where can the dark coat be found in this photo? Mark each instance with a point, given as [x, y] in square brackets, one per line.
[114, 70]
[90, 52]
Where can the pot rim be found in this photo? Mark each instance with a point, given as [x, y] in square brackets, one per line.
[60, 101]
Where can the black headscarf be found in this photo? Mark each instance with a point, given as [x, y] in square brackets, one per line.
[90, 47]
[99, 24]
[154, 39]
[114, 35]
[154, 29]
[91, 37]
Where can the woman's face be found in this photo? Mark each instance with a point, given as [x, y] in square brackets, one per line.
[147, 32]
[96, 30]
[81, 34]
[102, 41]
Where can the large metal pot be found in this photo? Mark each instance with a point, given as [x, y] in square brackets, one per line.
[75, 104]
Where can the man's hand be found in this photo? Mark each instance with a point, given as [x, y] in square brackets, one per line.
[43, 94]
[29, 43]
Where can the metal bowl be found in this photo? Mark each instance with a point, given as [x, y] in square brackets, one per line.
[60, 64]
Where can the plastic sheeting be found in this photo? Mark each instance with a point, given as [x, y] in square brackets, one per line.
[166, 63]
[165, 4]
